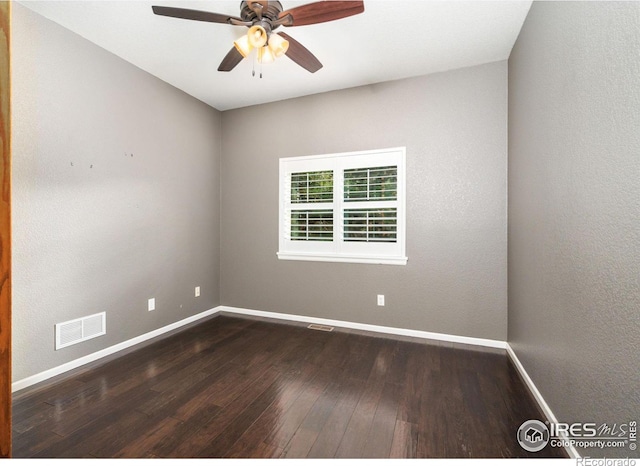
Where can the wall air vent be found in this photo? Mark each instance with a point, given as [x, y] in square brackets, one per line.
[79, 330]
[322, 328]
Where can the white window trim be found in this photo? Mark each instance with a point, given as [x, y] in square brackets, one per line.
[330, 251]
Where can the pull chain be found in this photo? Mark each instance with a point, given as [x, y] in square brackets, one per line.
[253, 62]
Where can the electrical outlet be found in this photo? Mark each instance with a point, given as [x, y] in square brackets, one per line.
[197, 291]
[152, 304]
[380, 300]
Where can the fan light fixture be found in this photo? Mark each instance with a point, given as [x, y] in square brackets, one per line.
[278, 45]
[268, 50]
[265, 55]
[257, 36]
[243, 46]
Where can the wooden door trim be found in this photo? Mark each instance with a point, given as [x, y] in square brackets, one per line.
[5, 230]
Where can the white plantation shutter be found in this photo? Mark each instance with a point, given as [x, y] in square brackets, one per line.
[310, 187]
[375, 192]
[371, 225]
[343, 207]
[371, 183]
[311, 225]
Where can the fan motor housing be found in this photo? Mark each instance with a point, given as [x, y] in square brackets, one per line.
[270, 10]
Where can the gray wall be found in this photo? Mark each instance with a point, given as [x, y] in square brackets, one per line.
[116, 195]
[454, 127]
[574, 208]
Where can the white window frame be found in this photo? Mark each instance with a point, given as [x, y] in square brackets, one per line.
[339, 250]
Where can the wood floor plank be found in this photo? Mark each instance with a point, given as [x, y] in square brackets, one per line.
[282, 433]
[380, 435]
[405, 440]
[203, 360]
[360, 356]
[198, 434]
[273, 417]
[67, 422]
[247, 388]
[430, 417]
[330, 436]
[300, 444]
[182, 402]
[32, 418]
[116, 436]
[306, 435]
[24, 399]
[178, 443]
[416, 376]
[223, 442]
[141, 444]
[27, 444]
[79, 441]
[264, 450]
[355, 437]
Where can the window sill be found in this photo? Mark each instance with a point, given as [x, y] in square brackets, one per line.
[384, 260]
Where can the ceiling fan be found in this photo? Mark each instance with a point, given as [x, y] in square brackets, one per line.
[263, 17]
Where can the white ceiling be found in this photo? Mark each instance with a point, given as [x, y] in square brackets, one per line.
[392, 39]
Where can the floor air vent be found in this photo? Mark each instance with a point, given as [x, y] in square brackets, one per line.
[78, 330]
[323, 328]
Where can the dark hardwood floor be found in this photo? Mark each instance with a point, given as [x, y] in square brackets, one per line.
[236, 387]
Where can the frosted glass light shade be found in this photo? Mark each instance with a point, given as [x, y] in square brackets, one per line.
[257, 36]
[243, 46]
[278, 45]
[265, 55]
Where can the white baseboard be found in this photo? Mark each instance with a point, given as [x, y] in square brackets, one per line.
[571, 450]
[369, 327]
[42, 376]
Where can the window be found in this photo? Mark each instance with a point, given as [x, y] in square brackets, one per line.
[344, 207]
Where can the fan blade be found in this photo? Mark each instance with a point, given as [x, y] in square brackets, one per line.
[320, 12]
[301, 55]
[231, 60]
[195, 15]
